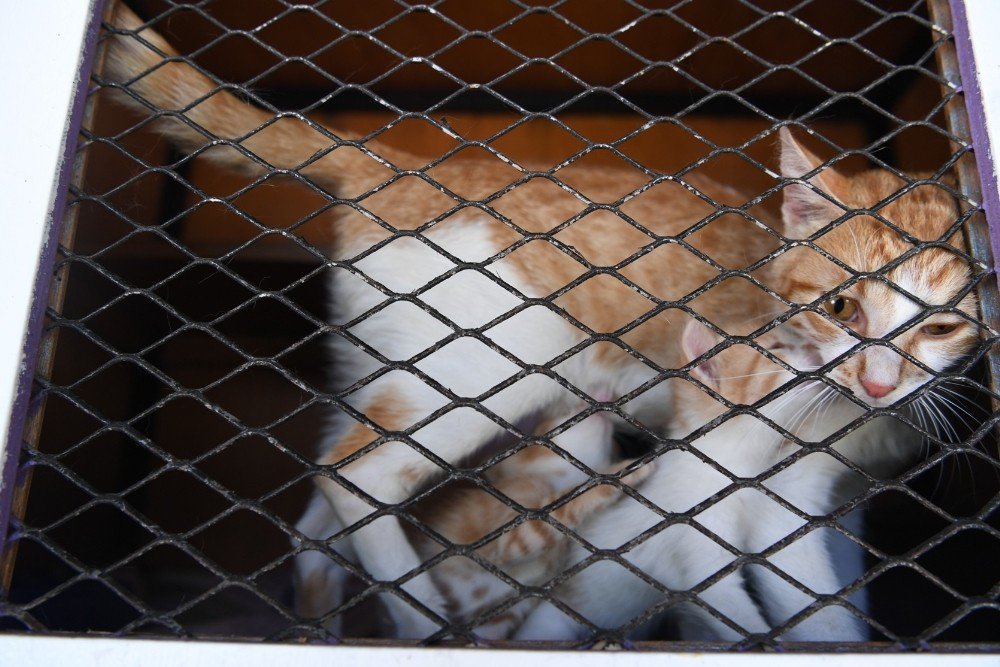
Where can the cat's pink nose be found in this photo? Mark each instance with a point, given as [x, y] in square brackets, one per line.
[877, 390]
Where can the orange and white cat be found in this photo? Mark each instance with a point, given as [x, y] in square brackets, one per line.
[455, 325]
[710, 541]
[464, 514]
[890, 316]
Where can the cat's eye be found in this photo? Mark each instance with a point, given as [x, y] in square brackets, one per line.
[940, 329]
[842, 308]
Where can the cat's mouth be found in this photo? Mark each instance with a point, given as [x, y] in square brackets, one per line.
[900, 394]
[871, 394]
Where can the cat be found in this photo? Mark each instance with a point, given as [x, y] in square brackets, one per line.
[905, 336]
[696, 488]
[529, 552]
[455, 317]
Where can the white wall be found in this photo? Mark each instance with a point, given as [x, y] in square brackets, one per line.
[40, 46]
[984, 29]
[148, 653]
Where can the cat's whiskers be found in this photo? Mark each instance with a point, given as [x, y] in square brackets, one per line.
[798, 419]
[793, 422]
[952, 434]
[824, 397]
[919, 412]
[774, 408]
[963, 402]
[944, 431]
[772, 314]
[961, 414]
[952, 431]
[963, 398]
[916, 411]
[824, 408]
[953, 405]
[857, 245]
[791, 426]
[956, 402]
[773, 411]
[782, 401]
[940, 420]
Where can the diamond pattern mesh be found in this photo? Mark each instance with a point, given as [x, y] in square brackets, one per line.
[186, 379]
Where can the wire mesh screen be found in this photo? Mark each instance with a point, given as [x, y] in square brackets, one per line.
[588, 323]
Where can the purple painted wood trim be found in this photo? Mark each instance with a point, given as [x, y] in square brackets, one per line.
[46, 264]
[977, 123]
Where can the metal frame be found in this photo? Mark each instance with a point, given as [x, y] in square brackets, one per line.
[975, 8]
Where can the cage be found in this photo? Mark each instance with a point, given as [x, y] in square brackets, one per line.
[185, 380]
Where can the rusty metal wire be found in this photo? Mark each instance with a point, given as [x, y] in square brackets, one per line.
[77, 587]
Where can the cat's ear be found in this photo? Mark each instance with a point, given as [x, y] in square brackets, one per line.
[805, 211]
[696, 340]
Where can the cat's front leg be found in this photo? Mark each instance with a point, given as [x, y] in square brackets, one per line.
[782, 600]
[383, 548]
[809, 562]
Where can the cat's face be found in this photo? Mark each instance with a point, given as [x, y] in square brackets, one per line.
[739, 374]
[886, 306]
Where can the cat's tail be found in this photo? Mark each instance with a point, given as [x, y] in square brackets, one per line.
[196, 113]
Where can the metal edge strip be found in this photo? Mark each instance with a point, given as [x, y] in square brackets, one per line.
[10, 453]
